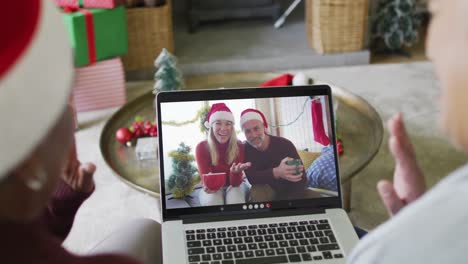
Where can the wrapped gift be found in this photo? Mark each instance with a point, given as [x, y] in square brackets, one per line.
[99, 86]
[96, 34]
[89, 3]
[147, 148]
[73, 111]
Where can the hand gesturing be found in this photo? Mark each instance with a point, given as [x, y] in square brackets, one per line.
[408, 181]
[239, 167]
[79, 176]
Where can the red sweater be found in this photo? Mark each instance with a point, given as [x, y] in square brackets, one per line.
[203, 158]
[40, 242]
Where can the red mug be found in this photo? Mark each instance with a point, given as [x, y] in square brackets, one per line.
[235, 179]
[214, 181]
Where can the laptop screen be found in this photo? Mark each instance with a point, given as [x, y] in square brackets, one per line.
[247, 150]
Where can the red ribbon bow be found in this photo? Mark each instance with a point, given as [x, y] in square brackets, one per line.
[69, 9]
[89, 31]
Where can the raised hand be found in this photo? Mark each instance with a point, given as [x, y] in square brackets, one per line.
[79, 176]
[408, 181]
[239, 167]
[287, 172]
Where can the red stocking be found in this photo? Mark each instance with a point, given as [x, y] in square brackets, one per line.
[317, 123]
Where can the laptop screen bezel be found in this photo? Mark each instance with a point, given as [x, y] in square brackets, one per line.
[245, 93]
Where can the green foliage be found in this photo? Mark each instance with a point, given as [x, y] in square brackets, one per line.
[396, 23]
[182, 180]
[168, 77]
[139, 118]
[203, 114]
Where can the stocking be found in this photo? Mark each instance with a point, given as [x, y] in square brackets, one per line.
[317, 124]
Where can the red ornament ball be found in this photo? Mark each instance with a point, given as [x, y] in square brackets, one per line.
[123, 135]
[339, 146]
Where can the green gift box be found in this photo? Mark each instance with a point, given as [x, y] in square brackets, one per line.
[96, 34]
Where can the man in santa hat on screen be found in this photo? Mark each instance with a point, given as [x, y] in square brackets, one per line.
[276, 171]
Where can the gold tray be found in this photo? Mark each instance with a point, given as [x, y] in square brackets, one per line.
[358, 124]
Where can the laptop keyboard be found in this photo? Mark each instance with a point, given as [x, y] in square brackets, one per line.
[265, 243]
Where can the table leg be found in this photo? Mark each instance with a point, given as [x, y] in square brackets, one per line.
[346, 189]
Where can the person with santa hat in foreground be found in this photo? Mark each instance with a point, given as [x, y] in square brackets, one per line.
[221, 154]
[42, 183]
[271, 176]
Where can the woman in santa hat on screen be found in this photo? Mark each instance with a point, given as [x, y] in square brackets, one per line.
[42, 184]
[221, 153]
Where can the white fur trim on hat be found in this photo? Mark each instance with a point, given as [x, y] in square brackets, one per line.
[219, 115]
[35, 91]
[250, 116]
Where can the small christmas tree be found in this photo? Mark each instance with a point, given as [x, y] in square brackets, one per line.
[181, 182]
[168, 77]
[396, 24]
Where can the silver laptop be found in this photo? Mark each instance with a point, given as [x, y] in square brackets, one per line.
[266, 225]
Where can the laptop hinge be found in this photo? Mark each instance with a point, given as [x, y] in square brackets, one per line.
[193, 219]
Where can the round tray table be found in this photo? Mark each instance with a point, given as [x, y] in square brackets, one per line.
[359, 126]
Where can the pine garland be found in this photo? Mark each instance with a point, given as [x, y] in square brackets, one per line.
[201, 115]
[179, 124]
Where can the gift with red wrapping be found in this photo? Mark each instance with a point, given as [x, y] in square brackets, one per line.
[99, 86]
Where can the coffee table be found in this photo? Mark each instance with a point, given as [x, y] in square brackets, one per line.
[359, 125]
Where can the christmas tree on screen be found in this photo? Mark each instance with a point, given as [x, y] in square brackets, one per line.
[181, 181]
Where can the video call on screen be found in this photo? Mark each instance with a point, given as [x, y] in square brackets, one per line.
[298, 127]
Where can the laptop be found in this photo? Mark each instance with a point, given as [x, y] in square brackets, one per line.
[283, 229]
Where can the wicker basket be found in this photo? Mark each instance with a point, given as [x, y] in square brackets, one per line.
[149, 31]
[336, 25]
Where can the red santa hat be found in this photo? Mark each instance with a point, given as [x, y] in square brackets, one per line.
[36, 73]
[252, 114]
[218, 111]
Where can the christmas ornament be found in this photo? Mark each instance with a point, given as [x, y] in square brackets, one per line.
[339, 146]
[139, 128]
[123, 135]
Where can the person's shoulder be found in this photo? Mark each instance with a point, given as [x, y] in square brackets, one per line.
[201, 148]
[413, 227]
[246, 145]
[202, 144]
[458, 177]
[281, 140]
